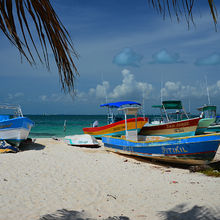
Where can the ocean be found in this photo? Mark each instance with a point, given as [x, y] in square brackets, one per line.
[47, 126]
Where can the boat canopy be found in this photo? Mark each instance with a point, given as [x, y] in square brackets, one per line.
[169, 105]
[119, 104]
[207, 107]
[172, 104]
[157, 106]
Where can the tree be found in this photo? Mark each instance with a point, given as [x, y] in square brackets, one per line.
[182, 7]
[49, 30]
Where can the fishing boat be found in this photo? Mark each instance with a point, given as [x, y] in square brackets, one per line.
[177, 124]
[116, 122]
[208, 117]
[214, 127]
[191, 150]
[14, 128]
[82, 140]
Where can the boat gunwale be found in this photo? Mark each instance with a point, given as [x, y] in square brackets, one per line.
[100, 128]
[167, 139]
[164, 125]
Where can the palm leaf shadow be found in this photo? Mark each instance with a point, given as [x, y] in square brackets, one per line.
[64, 214]
[195, 213]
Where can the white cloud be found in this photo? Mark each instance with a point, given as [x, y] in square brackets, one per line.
[16, 95]
[214, 90]
[43, 98]
[55, 98]
[101, 90]
[130, 88]
[179, 91]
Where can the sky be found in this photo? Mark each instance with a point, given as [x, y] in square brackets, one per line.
[127, 51]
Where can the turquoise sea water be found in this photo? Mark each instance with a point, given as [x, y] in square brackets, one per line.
[53, 125]
[47, 126]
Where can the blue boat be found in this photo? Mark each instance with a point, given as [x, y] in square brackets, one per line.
[14, 128]
[193, 149]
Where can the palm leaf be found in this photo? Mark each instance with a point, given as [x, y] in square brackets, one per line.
[49, 30]
[180, 8]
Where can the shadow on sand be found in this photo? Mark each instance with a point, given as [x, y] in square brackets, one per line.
[195, 213]
[166, 164]
[30, 145]
[64, 214]
[191, 167]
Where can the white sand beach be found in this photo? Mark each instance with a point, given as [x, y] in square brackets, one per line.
[49, 175]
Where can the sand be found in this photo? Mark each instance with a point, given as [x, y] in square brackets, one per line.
[51, 180]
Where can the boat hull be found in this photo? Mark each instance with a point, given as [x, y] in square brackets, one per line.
[196, 149]
[203, 124]
[213, 129]
[83, 140]
[116, 129]
[182, 128]
[15, 130]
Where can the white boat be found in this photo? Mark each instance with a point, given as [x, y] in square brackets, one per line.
[14, 128]
[83, 140]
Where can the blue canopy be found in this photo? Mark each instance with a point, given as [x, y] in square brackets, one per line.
[119, 104]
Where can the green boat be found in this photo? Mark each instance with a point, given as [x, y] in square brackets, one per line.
[208, 116]
[214, 127]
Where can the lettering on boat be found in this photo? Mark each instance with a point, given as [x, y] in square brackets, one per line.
[119, 128]
[182, 124]
[178, 130]
[6, 126]
[173, 150]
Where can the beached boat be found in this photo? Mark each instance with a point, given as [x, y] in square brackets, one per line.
[208, 117]
[214, 127]
[14, 128]
[194, 150]
[176, 124]
[116, 122]
[83, 140]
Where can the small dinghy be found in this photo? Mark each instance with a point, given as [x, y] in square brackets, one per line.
[83, 140]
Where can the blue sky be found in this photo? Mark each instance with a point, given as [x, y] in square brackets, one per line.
[127, 52]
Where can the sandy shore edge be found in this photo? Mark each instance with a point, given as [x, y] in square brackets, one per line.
[48, 175]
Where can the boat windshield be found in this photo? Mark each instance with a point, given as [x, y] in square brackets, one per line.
[10, 111]
[217, 121]
[113, 114]
[171, 111]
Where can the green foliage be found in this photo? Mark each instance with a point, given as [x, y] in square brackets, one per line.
[211, 172]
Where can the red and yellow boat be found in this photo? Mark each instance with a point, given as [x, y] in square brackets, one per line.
[116, 126]
[167, 127]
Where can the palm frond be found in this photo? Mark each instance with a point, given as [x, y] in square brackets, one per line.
[182, 8]
[49, 30]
